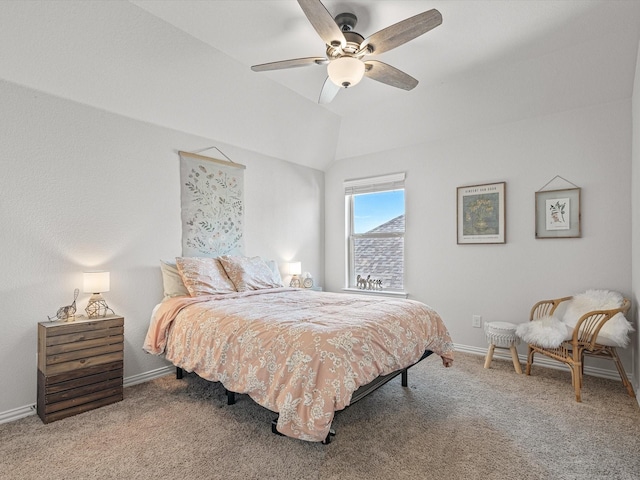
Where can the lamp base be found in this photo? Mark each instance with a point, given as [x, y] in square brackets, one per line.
[97, 307]
[295, 282]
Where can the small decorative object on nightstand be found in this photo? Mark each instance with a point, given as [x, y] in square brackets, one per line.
[307, 280]
[80, 365]
[68, 312]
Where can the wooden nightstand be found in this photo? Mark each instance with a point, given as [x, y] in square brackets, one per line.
[80, 365]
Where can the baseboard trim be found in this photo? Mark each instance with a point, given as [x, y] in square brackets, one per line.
[146, 376]
[27, 410]
[542, 361]
[17, 413]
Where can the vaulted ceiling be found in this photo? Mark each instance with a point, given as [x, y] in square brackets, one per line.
[489, 62]
[185, 64]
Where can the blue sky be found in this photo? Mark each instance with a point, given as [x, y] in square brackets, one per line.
[373, 209]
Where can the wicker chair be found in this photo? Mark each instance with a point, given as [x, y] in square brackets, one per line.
[583, 342]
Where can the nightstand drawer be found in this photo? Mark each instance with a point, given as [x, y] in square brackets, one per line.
[62, 336]
[79, 390]
[57, 364]
[82, 377]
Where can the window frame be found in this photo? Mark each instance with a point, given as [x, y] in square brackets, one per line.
[381, 184]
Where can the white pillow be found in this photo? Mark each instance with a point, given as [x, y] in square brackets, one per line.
[547, 332]
[616, 331]
[171, 280]
[275, 270]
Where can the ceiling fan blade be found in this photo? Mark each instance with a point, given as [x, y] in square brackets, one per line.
[385, 73]
[323, 22]
[329, 91]
[295, 62]
[402, 32]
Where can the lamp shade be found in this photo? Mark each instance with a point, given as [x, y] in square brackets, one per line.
[346, 71]
[96, 282]
[295, 268]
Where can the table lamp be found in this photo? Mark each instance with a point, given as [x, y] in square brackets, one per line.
[295, 269]
[96, 283]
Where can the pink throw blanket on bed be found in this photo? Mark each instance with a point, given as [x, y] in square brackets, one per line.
[296, 352]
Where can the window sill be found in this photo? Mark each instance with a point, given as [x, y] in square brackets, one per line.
[379, 293]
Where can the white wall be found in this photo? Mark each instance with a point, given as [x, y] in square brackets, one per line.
[635, 221]
[83, 188]
[589, 147]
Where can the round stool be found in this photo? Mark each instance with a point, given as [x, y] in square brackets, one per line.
[502, 335]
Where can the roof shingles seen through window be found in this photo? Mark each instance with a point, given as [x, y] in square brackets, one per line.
[382, 258]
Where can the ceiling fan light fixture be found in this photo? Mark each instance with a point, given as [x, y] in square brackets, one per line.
[346, 71]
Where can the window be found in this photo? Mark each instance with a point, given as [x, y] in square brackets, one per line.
[375, 233]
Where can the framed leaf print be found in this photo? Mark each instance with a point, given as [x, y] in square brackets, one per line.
[558, 213]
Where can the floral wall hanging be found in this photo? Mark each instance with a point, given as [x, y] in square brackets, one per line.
[212, 202]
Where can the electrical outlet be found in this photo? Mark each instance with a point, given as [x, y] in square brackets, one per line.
[476, 321]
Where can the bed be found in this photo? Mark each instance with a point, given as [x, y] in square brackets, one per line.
[301, 353]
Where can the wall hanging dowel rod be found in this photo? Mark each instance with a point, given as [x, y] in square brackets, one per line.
[211, 159]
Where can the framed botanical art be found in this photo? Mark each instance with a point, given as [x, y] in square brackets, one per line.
[481, 213]
[558, 213]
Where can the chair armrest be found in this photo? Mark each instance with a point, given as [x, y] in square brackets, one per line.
[546, 307]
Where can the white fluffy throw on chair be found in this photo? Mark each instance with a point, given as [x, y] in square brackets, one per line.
[547, 331]
[551, 331]
[614, 333]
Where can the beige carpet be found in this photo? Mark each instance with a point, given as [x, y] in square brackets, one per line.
[459, 423]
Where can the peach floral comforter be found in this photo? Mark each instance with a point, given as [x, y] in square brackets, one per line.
[297, 352]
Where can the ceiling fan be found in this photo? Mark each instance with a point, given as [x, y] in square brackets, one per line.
[346, 49]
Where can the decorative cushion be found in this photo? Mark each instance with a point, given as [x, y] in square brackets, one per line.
[249, 273]
[171, 280]
[204, 276]
[613, 333]
[547, 332]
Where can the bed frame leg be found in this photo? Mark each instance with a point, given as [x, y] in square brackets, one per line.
[179, 373]
[405, 377]
[327, 440]
[231, 397]
[274, 429]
